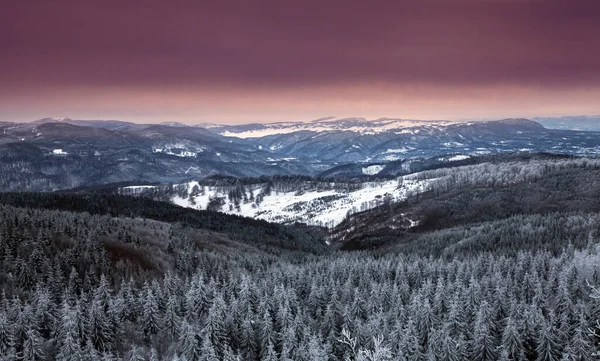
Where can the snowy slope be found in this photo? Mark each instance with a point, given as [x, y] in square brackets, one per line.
[324, 208]
[357, 125]
[373, 169]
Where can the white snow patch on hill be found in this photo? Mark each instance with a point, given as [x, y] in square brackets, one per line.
[178, 150]
[324, 208]
[372, 169]
[458, 157]
[400, 150]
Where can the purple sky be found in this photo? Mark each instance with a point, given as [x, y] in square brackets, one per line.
[264, 60]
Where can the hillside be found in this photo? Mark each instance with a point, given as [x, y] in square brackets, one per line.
[88, 277]
[255, 232]
[318, 202]
[486, 192]
[327, 202]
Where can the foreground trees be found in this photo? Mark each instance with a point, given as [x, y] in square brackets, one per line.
[79, 287]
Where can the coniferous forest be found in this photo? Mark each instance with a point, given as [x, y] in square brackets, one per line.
[101, 277]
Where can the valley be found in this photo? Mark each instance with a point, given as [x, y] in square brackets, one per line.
[142, 242]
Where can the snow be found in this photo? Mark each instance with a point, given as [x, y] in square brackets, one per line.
[178, 150]
[458, 157]
[399, 150]
[410, 221]
[453, 144]
[59, 152]
[391, 158]
[190, 168]
[317, 207]
[285, 159]
[372, 169]
[358, 125]
[137, 189]
[183, 154]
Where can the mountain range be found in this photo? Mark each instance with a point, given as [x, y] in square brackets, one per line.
[62, 153]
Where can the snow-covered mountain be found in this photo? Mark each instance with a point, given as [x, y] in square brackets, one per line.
[313, 203]
[329, 124]
[96, 152]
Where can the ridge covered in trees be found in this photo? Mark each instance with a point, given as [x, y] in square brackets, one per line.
[111, 277]
[467, 195]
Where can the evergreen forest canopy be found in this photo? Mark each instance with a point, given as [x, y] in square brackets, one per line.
[109, 277]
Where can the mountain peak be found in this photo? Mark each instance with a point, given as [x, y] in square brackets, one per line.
[520, 122]
[174, 124]
[52, 119]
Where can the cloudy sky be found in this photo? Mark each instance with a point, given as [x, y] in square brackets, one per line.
[275, 60]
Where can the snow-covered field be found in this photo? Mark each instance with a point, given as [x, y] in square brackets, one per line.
[325, 208]
[373, 169]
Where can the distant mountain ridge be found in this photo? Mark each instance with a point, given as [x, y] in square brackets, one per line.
[575, 122]
[63, 153]
[357, 125]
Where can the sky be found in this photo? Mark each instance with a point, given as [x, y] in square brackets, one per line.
[277, 60]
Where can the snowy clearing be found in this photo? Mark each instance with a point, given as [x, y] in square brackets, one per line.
[318, 207]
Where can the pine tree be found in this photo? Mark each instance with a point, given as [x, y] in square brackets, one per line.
[548, 348]
[189, 342]
[315, 350]
[171, 320]
[90, 352]
[450, 349]
[6, 337]
[150, 315]
[68, 334]
[270, 354]
[410, 344]
[484, 347]
[214, 326]
[32, 347]
[580, 348]
[102, 294]
[207, 352]
[511, 341]
[98, 327]
[135, 354]
[248, 341]
[70, 348]
[266, 333]
[116, 318]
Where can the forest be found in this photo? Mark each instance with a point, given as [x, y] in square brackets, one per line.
[101, 277]
[464, 196]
